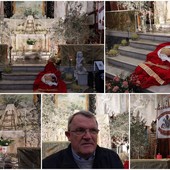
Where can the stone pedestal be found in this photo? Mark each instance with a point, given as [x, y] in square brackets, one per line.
[82, 78]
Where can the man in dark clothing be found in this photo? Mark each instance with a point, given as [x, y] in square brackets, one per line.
[83, 152]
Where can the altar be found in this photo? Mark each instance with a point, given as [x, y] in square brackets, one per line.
[150, 163]
[19, 42]
[30, 35]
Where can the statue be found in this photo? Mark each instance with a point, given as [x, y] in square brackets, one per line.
[79, 63]
[80, 72]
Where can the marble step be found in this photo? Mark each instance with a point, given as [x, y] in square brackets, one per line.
[161, 37]
[111, 71]
[17, 91]
[124, 62]
[16, 85]
[19, 76]
[132, 52]
[28, 67]
[23, 85]
[144, 44]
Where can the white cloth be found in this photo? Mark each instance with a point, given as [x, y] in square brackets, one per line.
[163, 57]
[50, 83]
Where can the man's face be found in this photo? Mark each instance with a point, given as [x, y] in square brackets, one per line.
[84, 145]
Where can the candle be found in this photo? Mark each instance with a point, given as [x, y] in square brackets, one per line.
[159, 156]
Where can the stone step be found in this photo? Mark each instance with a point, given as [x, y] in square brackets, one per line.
[159, 89]
[132, 52]
[131, 56]
[28, 67]
[161, 37]
[16, 85]
[124, 62]
[23, 84]
[19, 76]
[17, 91]
[115, 71]
[144, 44]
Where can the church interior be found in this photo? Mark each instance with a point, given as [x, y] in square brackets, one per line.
[113, 121]
[149, 128]
[33, 32]
[60, 57]
[20, 131]
[135, 126]
[133, 31]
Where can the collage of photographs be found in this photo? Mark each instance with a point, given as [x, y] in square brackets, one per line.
[85, 84]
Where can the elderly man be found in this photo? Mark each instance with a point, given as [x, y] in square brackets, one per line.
[83, 152]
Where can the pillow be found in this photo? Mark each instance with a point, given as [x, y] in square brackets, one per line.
[165, 51]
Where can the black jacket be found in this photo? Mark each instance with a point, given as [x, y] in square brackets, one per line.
[104, 159]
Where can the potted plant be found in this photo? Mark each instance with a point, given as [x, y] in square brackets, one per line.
[4, 143]
[112, 52]
[135, 36]
[31, 41]
[116, 46]
[124, 42]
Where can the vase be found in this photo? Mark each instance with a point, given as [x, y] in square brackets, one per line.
[4, 149]
[30, 48]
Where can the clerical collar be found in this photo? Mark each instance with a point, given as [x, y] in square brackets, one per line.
[77, 157]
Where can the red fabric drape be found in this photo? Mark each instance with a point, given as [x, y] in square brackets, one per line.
[146, 80]
[40, 86]
[163, 147]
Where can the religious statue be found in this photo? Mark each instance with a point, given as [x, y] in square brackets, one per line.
[79, 63]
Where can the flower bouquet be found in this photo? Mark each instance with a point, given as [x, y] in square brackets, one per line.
[31, 41]
[5, 142]
[119, 84]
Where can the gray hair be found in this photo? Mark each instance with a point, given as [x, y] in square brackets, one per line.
[85, 113]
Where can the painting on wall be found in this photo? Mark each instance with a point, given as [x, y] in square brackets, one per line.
[28, 7]
[72, 100]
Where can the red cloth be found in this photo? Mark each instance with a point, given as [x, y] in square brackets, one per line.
[126, 164]
[147, 80]
[40, 86]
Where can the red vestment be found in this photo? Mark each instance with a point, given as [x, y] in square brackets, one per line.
[40, 86]
[147, 80]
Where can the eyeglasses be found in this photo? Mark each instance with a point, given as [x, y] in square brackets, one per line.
[82, 131]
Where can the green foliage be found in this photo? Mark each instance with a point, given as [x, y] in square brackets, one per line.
[68, 77]
[119, 125]
[5, 142]
[113, 52]
[13, 99]
[31, 41]
[76, 88]
[74, 28]
[116, 46]
[7, 69]
[138, 137]
[133, 5]
[135, 36]
[29, 11]
[53, 111]
[124, 42]
[48, 107]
